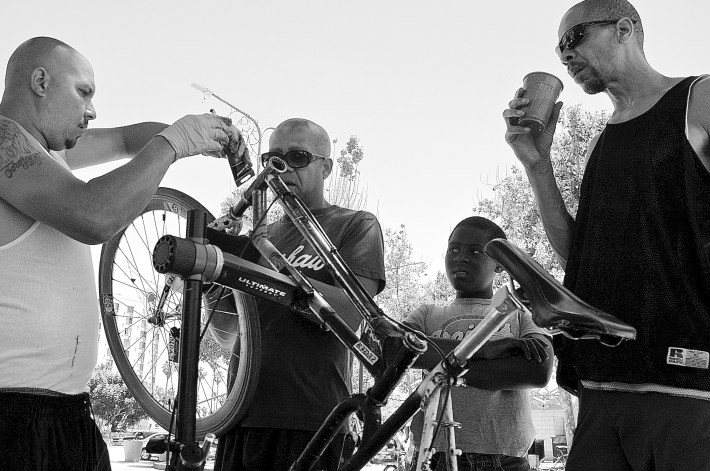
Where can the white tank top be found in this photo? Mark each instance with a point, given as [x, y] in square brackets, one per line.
[48, 311]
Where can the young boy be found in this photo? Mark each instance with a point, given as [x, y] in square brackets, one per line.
[493, 409]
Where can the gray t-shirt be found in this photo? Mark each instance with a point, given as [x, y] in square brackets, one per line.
[493, 422]
[305, 371]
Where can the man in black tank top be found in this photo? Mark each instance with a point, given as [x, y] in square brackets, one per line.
[638, 247]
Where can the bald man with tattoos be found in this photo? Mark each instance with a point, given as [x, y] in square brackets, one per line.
[48, 219]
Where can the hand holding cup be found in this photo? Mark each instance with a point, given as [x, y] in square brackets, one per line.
[541, 90]
[531, 119]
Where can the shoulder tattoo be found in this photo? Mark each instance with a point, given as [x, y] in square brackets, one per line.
[16, 152]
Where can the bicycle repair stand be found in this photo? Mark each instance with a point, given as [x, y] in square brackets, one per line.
[185, 453]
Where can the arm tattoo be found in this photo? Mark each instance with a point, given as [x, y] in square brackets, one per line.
[16, 153]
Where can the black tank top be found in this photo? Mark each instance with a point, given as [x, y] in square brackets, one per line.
[640, 250]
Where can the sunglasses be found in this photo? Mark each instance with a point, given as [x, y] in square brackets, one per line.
[294, 158]
[571, 38]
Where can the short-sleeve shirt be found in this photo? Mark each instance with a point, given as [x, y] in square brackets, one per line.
[306, 371]
[493, 422]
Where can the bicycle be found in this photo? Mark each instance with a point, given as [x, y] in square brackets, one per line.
[132, 297]
[202, 255]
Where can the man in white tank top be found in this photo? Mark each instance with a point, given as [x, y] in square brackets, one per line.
[48, 303]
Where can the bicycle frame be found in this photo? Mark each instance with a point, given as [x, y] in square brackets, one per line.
[432, 421]
[210, 267]
[228, 270]
[197, 261]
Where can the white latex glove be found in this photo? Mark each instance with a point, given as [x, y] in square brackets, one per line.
[236, 146]
[197, 134]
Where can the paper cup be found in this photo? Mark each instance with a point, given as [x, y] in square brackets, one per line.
[542, 89]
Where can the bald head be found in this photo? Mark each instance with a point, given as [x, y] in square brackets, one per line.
[40, 52]
[318, 136]
[49, 88]
[595, 10]
[307, 182]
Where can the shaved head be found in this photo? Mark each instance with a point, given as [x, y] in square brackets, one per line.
[40, 52]
[595, 10]
[49, 88]
[306, 182]
[319, 136]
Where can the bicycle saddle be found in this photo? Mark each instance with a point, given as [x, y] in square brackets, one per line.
[553, 306]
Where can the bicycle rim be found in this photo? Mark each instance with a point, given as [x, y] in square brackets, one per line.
[139, 310]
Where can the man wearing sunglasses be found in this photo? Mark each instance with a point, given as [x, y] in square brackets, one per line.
[638, 248]
[305, 371]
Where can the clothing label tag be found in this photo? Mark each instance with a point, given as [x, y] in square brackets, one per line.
[688, 358]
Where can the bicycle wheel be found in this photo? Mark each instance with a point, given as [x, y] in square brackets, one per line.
[141, 312]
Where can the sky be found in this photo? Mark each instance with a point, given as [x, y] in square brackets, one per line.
[422, 84]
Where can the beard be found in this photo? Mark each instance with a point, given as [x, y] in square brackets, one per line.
[70, 143]
[593, 84]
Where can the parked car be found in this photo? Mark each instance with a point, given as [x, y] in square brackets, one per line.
[139, 434]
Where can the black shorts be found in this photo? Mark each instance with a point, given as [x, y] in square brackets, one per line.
[627, 431]
[50, 433]
[265, 449]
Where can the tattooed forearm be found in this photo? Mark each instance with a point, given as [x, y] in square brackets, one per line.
[16, 152]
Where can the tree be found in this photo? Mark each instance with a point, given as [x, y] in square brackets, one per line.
[439, 290]
[513, 205]
[112, 403]
[405, 291]
[344, 181]
[515, 209]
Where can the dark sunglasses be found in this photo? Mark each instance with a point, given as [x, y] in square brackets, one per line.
[294, 158]
[574, 35]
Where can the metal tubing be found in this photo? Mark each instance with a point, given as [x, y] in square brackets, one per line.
[372, 444]
[190, 337]
[408, 352]
[309, 228]
[502, 307]
[327, 431]
[274, 167]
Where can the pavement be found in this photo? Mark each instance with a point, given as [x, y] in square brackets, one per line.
[119, 463]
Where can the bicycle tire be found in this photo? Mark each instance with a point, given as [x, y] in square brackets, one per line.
[133, 294]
